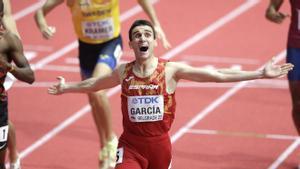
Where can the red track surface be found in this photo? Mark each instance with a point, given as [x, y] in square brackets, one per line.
[242, 120]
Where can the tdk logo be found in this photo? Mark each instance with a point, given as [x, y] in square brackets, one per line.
[145, 100]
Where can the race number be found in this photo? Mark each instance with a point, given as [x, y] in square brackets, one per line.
[3, 133]
[120, 153]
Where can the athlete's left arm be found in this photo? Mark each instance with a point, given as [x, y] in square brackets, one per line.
[150, 11]
[183, 71]
[8, 19]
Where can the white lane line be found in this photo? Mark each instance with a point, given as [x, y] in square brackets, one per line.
[194, 39]
[213, 27]
[62, 126]
[263, 83]
[28, 10]
[216, 104]
[242, 134]
[220, 59]
[285, 154]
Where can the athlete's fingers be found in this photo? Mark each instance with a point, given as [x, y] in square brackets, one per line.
[52, 90]
[48, 32]
[287, 66]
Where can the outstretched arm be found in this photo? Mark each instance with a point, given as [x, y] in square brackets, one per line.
[47, 31]
[272, 12]
[149, 10]
[182, 71]
[85, 86]
[8, 19]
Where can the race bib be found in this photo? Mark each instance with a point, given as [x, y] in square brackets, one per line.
[120, 153]
[99, 29]
[3, 133]
[146, 108]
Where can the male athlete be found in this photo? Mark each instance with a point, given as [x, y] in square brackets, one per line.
[148, 87]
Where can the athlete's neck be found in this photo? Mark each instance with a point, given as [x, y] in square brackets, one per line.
[146, 67]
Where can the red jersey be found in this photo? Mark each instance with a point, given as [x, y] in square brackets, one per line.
[147, 108]
[294, 31]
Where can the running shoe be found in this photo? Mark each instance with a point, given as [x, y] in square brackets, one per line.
[112, 146]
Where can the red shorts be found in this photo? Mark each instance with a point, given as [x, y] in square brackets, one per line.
[136, 152]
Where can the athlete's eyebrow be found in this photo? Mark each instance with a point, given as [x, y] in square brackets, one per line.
[144, 30]
[135, 32]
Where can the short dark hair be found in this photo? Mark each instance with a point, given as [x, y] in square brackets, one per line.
[141, 22]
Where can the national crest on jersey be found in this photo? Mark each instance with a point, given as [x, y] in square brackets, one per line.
[147, 108]
[96, 21]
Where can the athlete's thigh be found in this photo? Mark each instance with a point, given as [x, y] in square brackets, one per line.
[161, 155]
[128, 158]
[111, 52]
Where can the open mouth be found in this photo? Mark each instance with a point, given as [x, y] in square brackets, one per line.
[144, 48]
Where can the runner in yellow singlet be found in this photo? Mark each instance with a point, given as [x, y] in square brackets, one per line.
[97, 25]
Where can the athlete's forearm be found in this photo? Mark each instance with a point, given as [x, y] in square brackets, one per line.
[275, 4]
[8, 19]
[24, 74]
[40, 15]
[149, 10]
[84, 86]
[237, 75]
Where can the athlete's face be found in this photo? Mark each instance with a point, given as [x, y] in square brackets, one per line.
[142, 42]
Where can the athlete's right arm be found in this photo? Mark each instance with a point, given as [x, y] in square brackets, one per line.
[47, 31]
[86, 86]
[272, 12]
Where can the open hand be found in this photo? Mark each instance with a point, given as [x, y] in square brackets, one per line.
[272, 71]
[58, 88]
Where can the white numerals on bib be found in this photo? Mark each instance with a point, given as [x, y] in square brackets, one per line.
[120, 153]
[3, 133]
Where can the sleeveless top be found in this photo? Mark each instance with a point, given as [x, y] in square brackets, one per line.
[95, 21]
[294, 30]
[148, 110]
